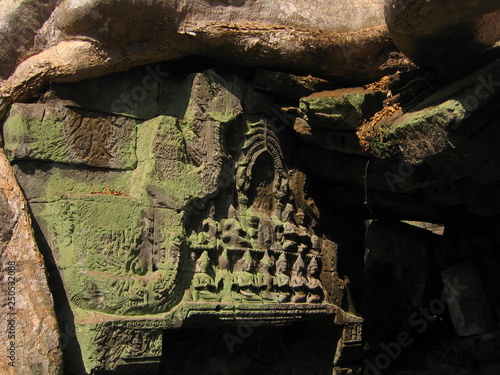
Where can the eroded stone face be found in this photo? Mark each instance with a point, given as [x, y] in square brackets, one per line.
[193, 212]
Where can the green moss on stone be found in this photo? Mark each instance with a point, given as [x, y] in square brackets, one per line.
[29, 134]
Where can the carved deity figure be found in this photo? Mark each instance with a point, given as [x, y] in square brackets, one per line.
[210, 230]
[223, 277]
[290, 230]
[298, 282]
[203, 284]
[315, 245]
[244, 281]
[301, 229]
[282, 280]
[278, 236]
[160, 287]
[265, 279]
[316, 293]
[253, 228]
[136, 348]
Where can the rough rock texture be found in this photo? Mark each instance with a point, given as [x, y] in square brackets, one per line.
[29, 335]
[82, 39]
[443, 121]
[445, 34]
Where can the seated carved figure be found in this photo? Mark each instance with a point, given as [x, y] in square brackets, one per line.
[223, 276]
[298, 282]
[210, 229]
[290, 230]
[203, 284]
[316, 293]
[160, 287]
[265, 279]
[282, 280]
[136, 347]
[244, 281]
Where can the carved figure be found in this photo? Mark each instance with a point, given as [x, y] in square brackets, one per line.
[282, 280]
[278, 235]
[290, 230]
[315, 245]
[244, 282]
[265, 279]
[253, 231]
[298, 282]
[302, 231]
[223, 276]
[316, 293]
[174, 255]
[210, 230]
[160, 288]
[143, 263]
[136, 348]
[203, 284]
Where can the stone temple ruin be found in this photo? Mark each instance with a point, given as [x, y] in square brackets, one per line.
[174, 216]
[240, 187]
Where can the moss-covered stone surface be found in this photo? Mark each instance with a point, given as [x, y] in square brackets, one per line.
[180, 208]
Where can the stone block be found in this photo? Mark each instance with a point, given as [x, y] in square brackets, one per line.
[464, 293]
[335, 140]
[444, 120]
[68, 135]
[290, 85]
[343, 109]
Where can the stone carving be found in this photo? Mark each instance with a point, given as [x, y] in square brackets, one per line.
[315, 288]
[261, 237]
[209, 221]
[244, 281]
[298, 282]
[136, 347]
[352, 333]
[282, 285]
[265, 280]
[290, 230]
[203, 284]
[119, 348]
[69, 135]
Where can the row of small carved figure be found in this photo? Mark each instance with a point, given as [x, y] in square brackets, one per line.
[291, 235]
[246, 285]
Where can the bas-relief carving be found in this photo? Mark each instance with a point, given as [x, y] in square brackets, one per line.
[202, 220]
[271, 255]
[117, 347]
